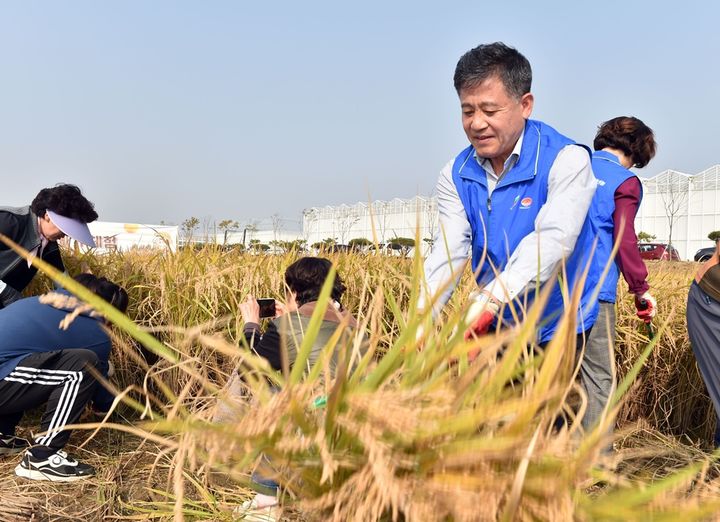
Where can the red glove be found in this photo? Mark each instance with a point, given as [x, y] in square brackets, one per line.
[646, 306]
[481, 325]
[481, 314]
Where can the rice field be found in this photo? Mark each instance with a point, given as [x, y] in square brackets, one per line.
[405, 435]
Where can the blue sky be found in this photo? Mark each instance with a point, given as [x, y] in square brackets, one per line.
[227, 109]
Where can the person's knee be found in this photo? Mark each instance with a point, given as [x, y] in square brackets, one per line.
[85, 359]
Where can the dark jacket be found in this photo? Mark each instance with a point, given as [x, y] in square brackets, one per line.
[21, 225]
[29, 326]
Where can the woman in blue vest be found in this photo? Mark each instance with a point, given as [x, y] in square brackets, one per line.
[514, 201]
[620, 143]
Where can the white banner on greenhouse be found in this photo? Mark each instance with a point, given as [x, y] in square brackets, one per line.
[125, 236]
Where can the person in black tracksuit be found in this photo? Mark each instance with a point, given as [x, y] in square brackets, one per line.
[54, 213]
[41, 363]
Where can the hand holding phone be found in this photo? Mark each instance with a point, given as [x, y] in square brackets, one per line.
[267, 307]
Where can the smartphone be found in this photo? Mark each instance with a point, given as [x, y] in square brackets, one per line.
[267, 307]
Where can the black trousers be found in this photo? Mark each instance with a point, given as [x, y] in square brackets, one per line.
[59, 379]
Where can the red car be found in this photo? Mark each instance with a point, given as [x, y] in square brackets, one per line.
[661, 251]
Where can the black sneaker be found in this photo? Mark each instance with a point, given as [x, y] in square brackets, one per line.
[12, 444]
[58, 467]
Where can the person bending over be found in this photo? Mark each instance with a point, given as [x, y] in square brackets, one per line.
[514, 201]
[55, 212]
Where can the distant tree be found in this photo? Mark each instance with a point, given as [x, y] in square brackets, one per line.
[359, 243]
[325, 244]
[403, 244]
[381, 217]
[256, 246]
[249, 230]
[236, 247]
[276, 225]
[431, 220]
[674, 199]
[226, 225]
[310, 217]
[188, 227]
[208, 225]
[646, 237]
[296, 245]
[345, 222]
[714, 235]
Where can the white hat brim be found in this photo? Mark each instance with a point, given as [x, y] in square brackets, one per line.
[73, 228]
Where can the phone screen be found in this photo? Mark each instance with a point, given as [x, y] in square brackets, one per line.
[267, 307]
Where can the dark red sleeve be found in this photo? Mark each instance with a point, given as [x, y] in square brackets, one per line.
[627, 201]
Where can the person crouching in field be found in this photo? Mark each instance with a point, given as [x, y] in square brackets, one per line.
[703, 324]
[42, 363]
[281, 341]
[304, 279]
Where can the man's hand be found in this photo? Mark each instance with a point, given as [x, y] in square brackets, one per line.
[420, 334]
[480, 315]
[646, 306]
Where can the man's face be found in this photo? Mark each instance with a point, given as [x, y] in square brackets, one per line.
[493, 120]
[49, 230]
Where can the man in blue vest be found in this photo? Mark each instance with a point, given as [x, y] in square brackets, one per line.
[515, 200]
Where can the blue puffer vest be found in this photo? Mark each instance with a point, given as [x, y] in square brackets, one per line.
[610, 175]
[501, 220]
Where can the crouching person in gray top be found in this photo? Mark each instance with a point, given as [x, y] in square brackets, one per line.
[281, 341]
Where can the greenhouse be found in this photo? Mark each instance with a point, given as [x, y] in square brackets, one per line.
[677, 207]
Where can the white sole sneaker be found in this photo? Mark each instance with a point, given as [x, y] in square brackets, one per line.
[33, 474]
[249, 512]
[13, 445]
[58, 467]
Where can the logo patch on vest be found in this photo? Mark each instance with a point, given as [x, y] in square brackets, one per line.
[525, 202]
[515, 202]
